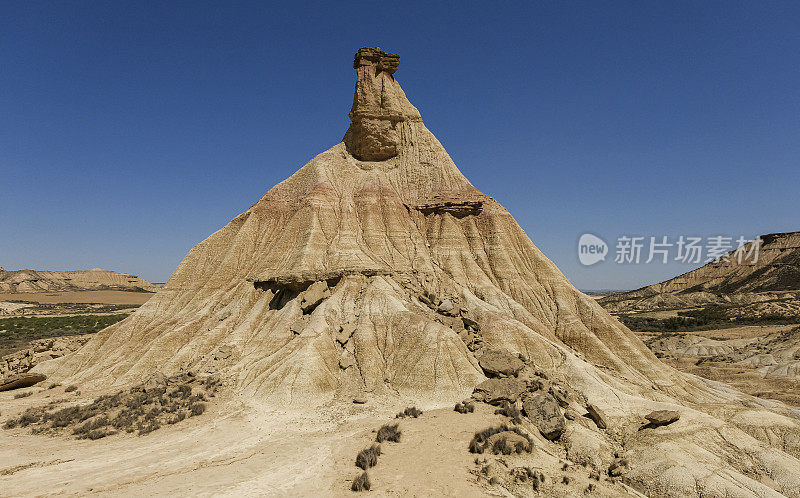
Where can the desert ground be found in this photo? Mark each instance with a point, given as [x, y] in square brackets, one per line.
[113, 297]
[247, 449]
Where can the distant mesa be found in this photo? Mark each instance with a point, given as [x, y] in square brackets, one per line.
[32, 281]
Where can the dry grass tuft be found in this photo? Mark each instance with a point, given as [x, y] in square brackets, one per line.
[465, 407]
[389, 432]
[480, 441]
[361, 483]
[510, 411]
[368, 457]
[411, 411]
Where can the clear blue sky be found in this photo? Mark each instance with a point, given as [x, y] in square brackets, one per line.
[130, 131]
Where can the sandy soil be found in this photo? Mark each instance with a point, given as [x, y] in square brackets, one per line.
[246, 450]
[104, 297]
[240, 448]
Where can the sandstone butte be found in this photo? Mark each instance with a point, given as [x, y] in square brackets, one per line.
[331, 287]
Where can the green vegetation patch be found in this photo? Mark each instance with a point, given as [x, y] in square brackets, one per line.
[18, 331]
[710, 318]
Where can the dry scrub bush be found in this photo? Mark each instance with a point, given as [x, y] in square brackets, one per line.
[412, 411]
[140, 409]
[465, 407]
[510, 411]
[480, 441]
[368, 457]
[361, 483]
[389, 432]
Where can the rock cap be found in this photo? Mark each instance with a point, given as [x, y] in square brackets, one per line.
[383, 61]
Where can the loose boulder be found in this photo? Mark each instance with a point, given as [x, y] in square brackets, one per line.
[314, 295]
[20, 381]
[496, 391]
[543, 410]
[662, 417]
[597, 415]
[446, 306]
[497, 363]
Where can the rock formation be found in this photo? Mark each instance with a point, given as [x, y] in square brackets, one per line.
[79, 280]
[334, 286]
[39, 350]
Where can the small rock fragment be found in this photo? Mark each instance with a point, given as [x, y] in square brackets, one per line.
[346, 362]
[314, 295]
[560, 395]
[446, 306]
[618, 467]
[345, 333]
[470, 323]
[597, 415]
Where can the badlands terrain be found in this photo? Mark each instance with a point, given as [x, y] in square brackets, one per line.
[737, 322]
[376, 286]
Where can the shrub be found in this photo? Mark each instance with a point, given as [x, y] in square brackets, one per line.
[465, 407]
[480, 441]
[147, 429]
[153, 413]
[23, 394]
[176, 418]
[368, 457]
[361, 483]
[137, 409]
[412, 411]
[389, 432]
[510, 411]
[30, 416]
[71, 388]
[124, 420]
[183, 391]
[64, 416]
[91, 426]
[197, 409]
[21, 330]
